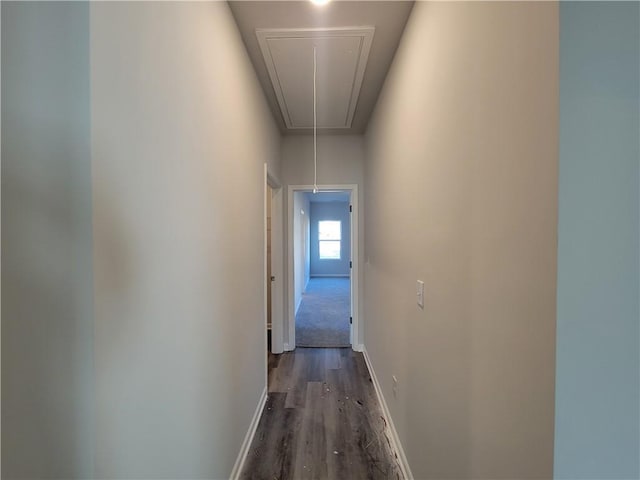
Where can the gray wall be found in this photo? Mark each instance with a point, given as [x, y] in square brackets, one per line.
[47, 281]
[122, 145]
[180, 134]
[461, 192]
[597, 389]
[330, 211]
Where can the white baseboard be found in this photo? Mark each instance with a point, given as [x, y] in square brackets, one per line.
[395, 440]
[330, 275]
[246, 443]
[287, 347]
[358, 347]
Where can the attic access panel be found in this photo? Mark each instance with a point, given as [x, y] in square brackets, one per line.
[342, 55]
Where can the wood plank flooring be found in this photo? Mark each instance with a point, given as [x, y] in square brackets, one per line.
[322, 420]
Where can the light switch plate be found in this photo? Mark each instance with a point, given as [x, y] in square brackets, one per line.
[420, 293]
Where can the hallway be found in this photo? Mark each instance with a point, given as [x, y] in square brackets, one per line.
[321, 420]
[323, 317]
[482, 160]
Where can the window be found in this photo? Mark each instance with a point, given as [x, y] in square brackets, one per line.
[329, 236]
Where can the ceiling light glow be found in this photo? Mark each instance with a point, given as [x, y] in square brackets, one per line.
[319, 2]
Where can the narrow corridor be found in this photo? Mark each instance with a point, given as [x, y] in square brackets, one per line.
[322, 420]
[476, 168]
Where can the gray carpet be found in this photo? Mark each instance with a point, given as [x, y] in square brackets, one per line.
[323, 317]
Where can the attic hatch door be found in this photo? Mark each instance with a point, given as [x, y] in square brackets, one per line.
[342, 55]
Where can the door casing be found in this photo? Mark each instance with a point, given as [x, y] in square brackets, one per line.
[289, 328]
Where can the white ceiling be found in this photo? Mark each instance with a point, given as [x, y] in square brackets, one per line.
[349, 74]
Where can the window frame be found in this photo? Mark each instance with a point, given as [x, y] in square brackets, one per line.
[334, 239]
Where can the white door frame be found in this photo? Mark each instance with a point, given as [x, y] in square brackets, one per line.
[277, 261]
[291, 326]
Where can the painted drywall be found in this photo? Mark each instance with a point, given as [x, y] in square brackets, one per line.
[340, 161]
[330, 211]
[300, 246]
[461, 192]
[47, 307]
[180, 134]
[597, 383]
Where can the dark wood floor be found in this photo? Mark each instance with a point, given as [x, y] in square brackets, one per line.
[322, 420]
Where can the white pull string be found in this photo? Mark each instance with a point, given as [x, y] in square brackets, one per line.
[315, 126]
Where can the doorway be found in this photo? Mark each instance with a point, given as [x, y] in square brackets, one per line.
[322, 267]
[322, 271]
[270, 277]
[273, 265]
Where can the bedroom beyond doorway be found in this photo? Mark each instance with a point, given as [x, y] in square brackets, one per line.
[322, 268]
